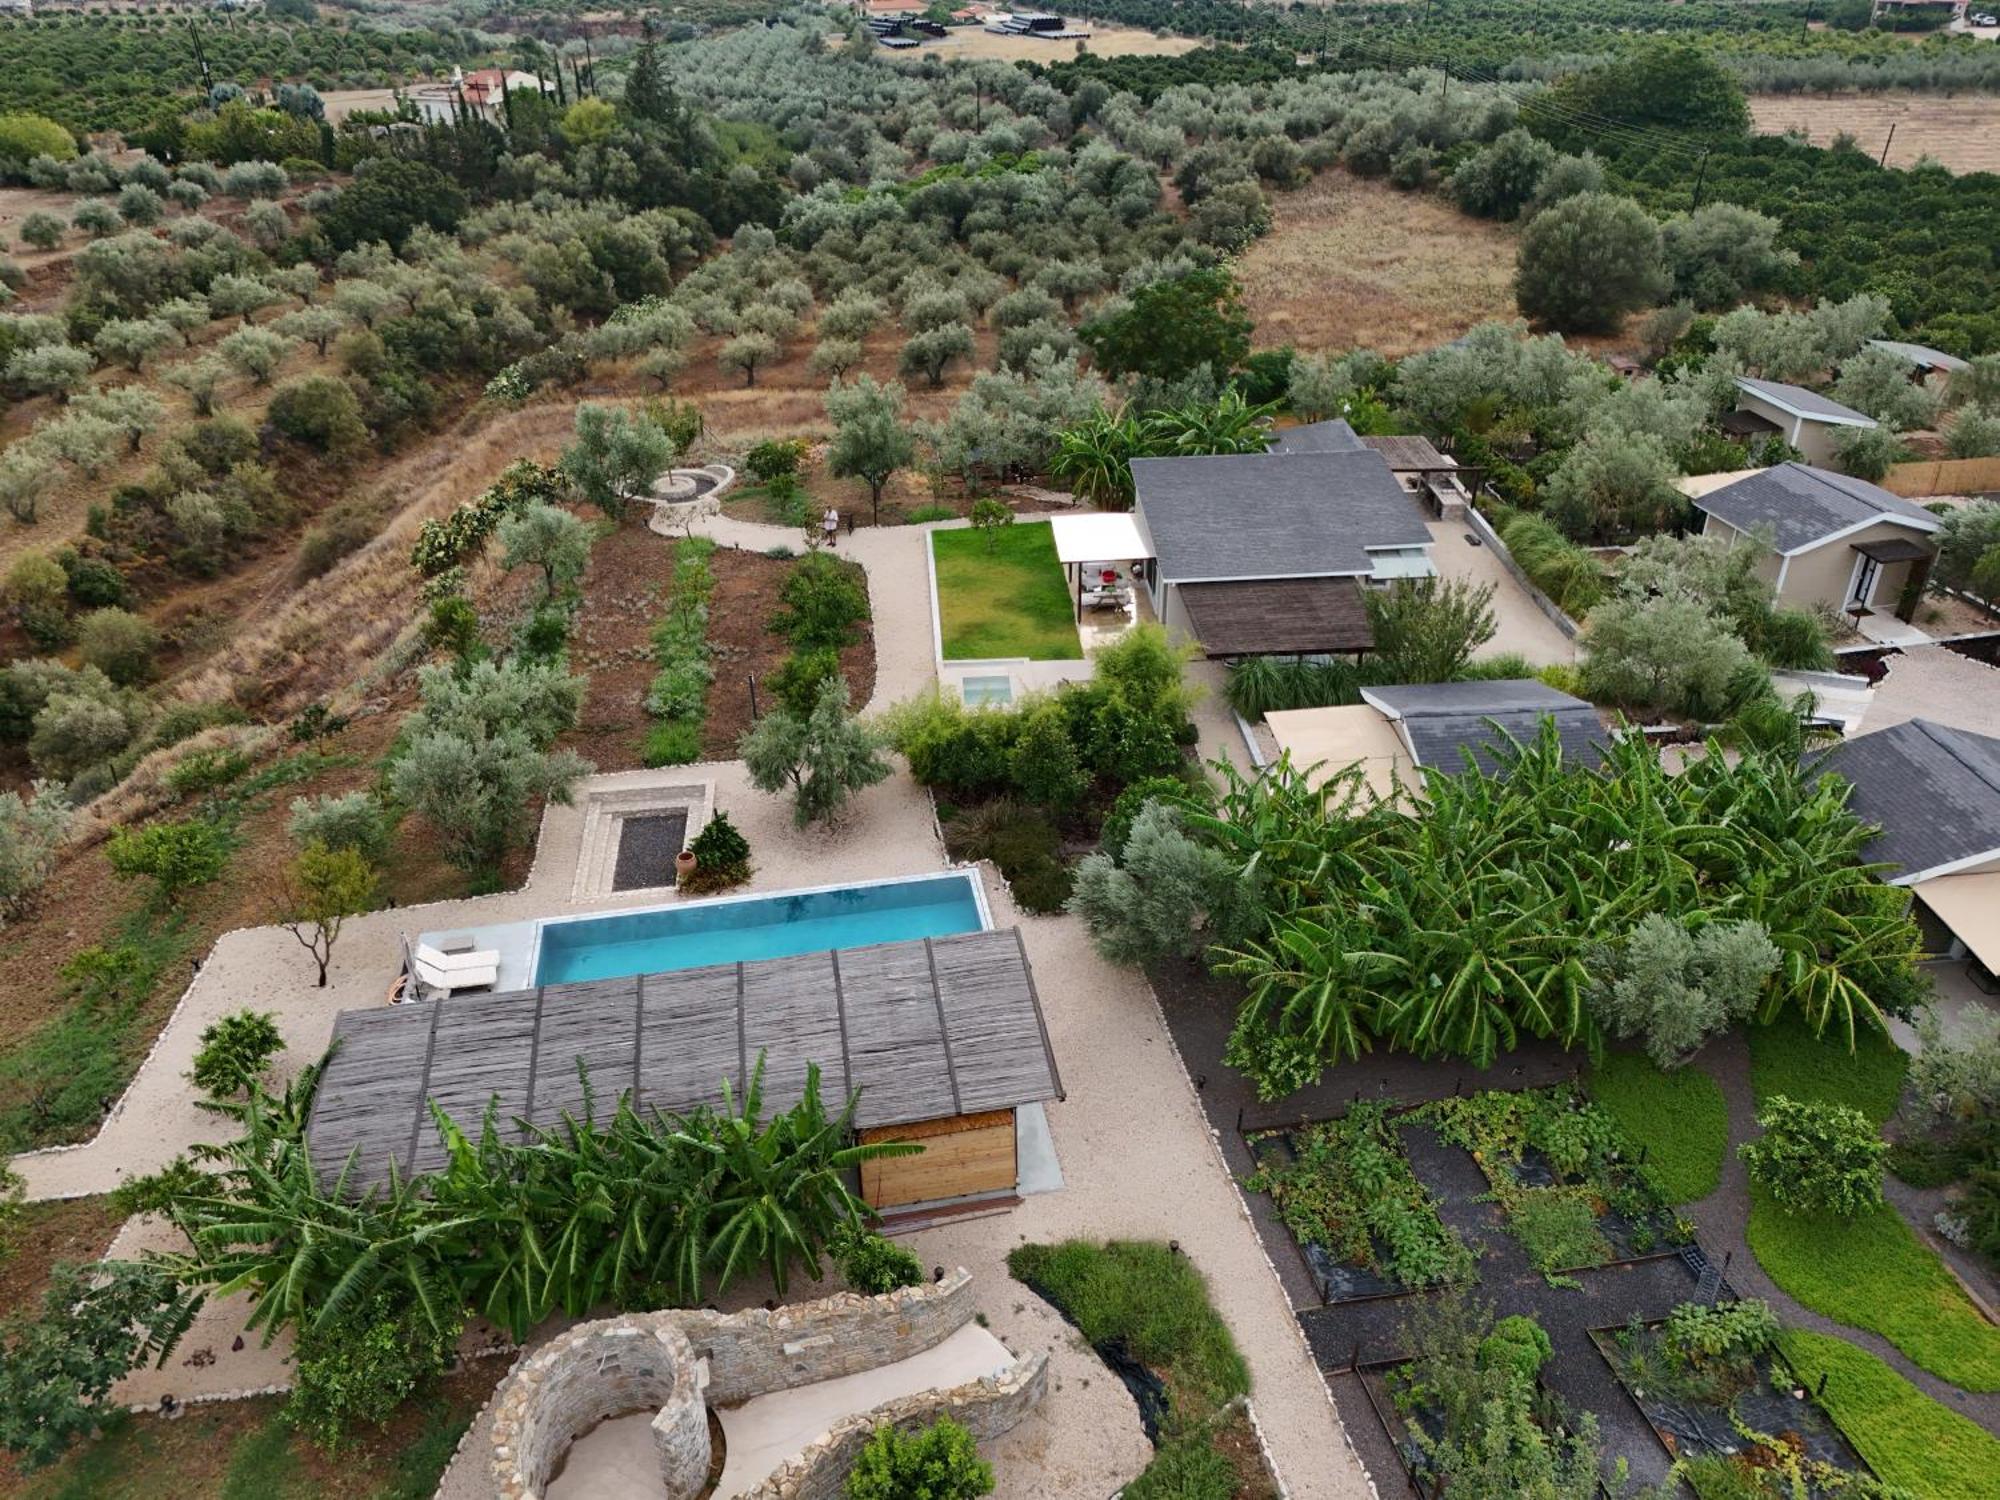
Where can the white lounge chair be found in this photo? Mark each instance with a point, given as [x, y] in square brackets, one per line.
[473, 969]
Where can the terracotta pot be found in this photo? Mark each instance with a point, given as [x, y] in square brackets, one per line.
[683, 864]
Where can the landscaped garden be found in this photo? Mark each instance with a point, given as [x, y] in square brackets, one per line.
[1675, 1117]
[1145, 1309]
[1001, 593]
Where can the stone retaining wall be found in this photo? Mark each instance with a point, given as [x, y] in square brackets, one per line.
[599, 1370]
[753, 1353]
[678, 1361]
[986, 1408]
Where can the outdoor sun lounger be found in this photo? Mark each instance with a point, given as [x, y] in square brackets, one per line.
[451, 972]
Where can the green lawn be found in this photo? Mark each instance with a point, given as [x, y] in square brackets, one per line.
[1677, 1118]
[1786, 1058]
[1872, 1272]
[1908, 1439]
[1011, 601]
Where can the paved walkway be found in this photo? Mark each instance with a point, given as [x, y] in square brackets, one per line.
[1521, 627]
[1935, 682]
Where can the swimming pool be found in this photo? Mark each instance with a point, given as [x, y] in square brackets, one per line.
[693, 934]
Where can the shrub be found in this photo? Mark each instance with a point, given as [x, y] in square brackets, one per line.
[1815, 1157]
[206, 771]
[32, 828]
[774, 459]
[1726, 1331]
[939, 1463]
[722, 856]
[1517, 1344]
[823, 604]
[1677, 988]
[361, 1368]
[174, 856]
[796, 682]
[321, 410]
[352, 821]
[1556, 565]
[964, 753]
[871, 1264]
[234, 1053]
[1588, 261]
[1117, 825]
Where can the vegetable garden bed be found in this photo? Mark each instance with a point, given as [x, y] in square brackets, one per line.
[1363, 1223]
[1752, 1413]
[1563, 1174]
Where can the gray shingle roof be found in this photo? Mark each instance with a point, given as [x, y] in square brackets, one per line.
[1331, 436]
[1273, 515]
[1441, 720]
[1803, 505]
[1921, 355]
[1810, 404]
[1933, 790]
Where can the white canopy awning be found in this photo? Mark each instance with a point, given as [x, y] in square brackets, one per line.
[1970, 906]
[1111, 536]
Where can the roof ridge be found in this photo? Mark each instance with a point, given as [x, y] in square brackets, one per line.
[1933, 731]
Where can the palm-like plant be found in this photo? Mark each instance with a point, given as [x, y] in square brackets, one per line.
[1095, 457]
[1466, 925]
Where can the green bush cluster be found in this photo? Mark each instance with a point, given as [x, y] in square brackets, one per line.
[656, 1210]
[451, 540]
[678, 694]
[1557, 566]
[1480, 915]
[722, 857]
[872, 1264]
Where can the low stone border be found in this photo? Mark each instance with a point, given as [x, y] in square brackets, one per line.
[676, 508]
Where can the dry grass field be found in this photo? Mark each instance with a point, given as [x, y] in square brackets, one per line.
[1963, 132]
[1105, 41]
[1353, 262]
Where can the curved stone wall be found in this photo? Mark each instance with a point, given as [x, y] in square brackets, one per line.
[599, 1370]
[678, 1361]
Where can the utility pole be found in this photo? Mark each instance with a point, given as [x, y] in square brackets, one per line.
[1700, 176]
[1884, 160]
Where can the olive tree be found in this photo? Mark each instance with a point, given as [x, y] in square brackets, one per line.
[316, 325]
[823, 756]
[42, 230]
[745, 352]
[1878, 383]
[50, 370]
[932, 351]
[1722, 253]
[549, 538]
[616, 456]
[133, 341]
[256, 352]
[477, 754]
[32, 829]
[1588, 261]
[871, 441]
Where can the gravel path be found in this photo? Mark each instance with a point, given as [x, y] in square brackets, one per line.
[1723, 1215]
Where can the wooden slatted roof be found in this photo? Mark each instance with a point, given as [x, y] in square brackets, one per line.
[1278, 616]
[926, 1029]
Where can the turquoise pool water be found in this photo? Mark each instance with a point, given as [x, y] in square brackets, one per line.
[726, 932]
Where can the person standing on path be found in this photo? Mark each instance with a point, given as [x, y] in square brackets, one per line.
[830, 525]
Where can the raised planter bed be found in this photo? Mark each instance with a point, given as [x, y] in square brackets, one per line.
[1362, 1221]
[1756, 1415]
[1564, 1176]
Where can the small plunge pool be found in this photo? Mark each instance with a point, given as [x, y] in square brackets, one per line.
[732, 929]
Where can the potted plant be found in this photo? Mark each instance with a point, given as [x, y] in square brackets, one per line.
[683, 866]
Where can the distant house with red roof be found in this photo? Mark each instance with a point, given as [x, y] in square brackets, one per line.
[479, 94]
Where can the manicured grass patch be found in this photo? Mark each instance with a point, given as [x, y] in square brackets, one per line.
[1786, 1058]
[1872, 1272]
[1908, 1439]
[1154, 1303]
[1011, 601]
[1677, 1118]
